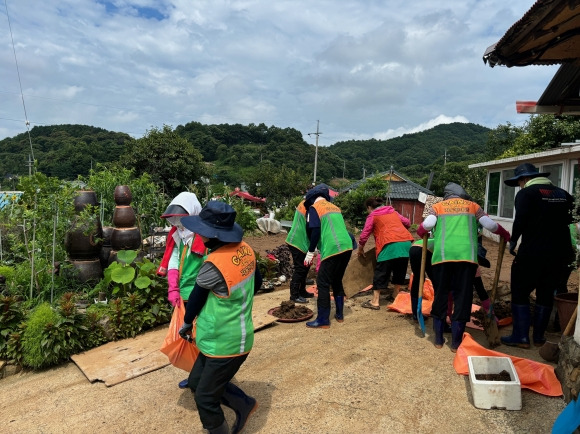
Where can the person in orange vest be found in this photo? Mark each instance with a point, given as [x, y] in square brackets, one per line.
[221, 303]
[392, 240]
[454, 261]
[298, 243]
[327, 231]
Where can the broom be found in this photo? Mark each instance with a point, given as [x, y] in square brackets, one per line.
[489, 323]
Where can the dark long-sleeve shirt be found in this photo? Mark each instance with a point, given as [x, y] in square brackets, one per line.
[543, 216]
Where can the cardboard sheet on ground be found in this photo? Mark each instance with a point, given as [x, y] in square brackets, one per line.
[116, 362]
[122, 360]
[535, 376]
[359, 272]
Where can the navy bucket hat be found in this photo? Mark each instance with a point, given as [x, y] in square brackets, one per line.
[216, 220]
[522, 171]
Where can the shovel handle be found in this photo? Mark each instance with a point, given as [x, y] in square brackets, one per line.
[500, 253]
[571, 323]
[423, 261]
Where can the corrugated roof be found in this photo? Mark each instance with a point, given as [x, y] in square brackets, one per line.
[548, 34]
[402, 190]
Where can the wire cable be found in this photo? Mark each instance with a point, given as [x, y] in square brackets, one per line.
[19, 81]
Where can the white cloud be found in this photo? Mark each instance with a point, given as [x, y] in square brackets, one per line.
[363, 68]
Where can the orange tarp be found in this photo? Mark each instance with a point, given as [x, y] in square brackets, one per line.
[535, 376]
[402, 303]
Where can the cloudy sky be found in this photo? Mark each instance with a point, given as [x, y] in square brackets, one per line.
[363, 68]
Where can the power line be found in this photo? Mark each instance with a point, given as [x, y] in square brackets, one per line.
[27, 123]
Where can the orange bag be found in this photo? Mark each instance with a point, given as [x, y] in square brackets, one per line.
[181, 353]
[535, 376]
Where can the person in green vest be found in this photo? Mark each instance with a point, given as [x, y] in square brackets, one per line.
[328, 233]
[454, 261]
[298, 242]
[185, 251]
[221, 303]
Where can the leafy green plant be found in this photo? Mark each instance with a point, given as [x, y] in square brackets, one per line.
[268, 268]
[127, 316]
[11, 316]
[141, 301]
[41, 323]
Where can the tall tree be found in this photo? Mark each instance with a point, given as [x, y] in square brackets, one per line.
[169, 159]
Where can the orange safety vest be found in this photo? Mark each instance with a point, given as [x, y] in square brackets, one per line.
[224, 326]
[387, 229]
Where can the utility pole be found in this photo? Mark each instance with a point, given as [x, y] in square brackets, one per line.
[29, 164]
[317, 133]
[343, 167]
[445, 158]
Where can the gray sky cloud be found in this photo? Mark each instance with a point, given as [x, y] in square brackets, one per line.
[363, 68]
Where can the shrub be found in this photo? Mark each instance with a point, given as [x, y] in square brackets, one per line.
[34, 351]
[11, 316]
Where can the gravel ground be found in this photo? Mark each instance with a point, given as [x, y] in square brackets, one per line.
[372, 373]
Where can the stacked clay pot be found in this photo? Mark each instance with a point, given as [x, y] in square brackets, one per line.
[125, 236]
[107, 247]
[83, 240]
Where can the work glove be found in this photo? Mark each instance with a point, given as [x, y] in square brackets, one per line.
[421, 230]
[513, 245]
[173, 290]
[308, 259]
[185, 332]
[502, 233]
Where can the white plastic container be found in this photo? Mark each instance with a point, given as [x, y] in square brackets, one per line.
[494, 394]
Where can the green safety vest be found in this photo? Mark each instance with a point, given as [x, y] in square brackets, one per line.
[224, 327]
[455, 233]
[297, 236]
[334, 237]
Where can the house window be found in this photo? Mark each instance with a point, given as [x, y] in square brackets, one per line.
[493, 193]
[507, 196]
[555, 171]
[500, 197]
[575, 178]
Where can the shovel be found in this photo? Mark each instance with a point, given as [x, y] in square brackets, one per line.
[489, 323]
[421, 284]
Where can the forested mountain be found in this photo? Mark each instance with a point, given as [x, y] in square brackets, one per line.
[412, 154]
[245, 153]
[62, 151]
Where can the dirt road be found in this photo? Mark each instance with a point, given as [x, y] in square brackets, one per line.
[372, 373]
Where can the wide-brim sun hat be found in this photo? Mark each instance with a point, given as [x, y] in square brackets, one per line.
[216, 220]
[524, 170]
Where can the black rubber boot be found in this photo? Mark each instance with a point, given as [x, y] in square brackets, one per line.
[322, 321]
[242, 404]
[339, 302]
[457, 329]
[541, 319]
[294, 290]
[438, 329]
[520, 336]
[222, 429]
